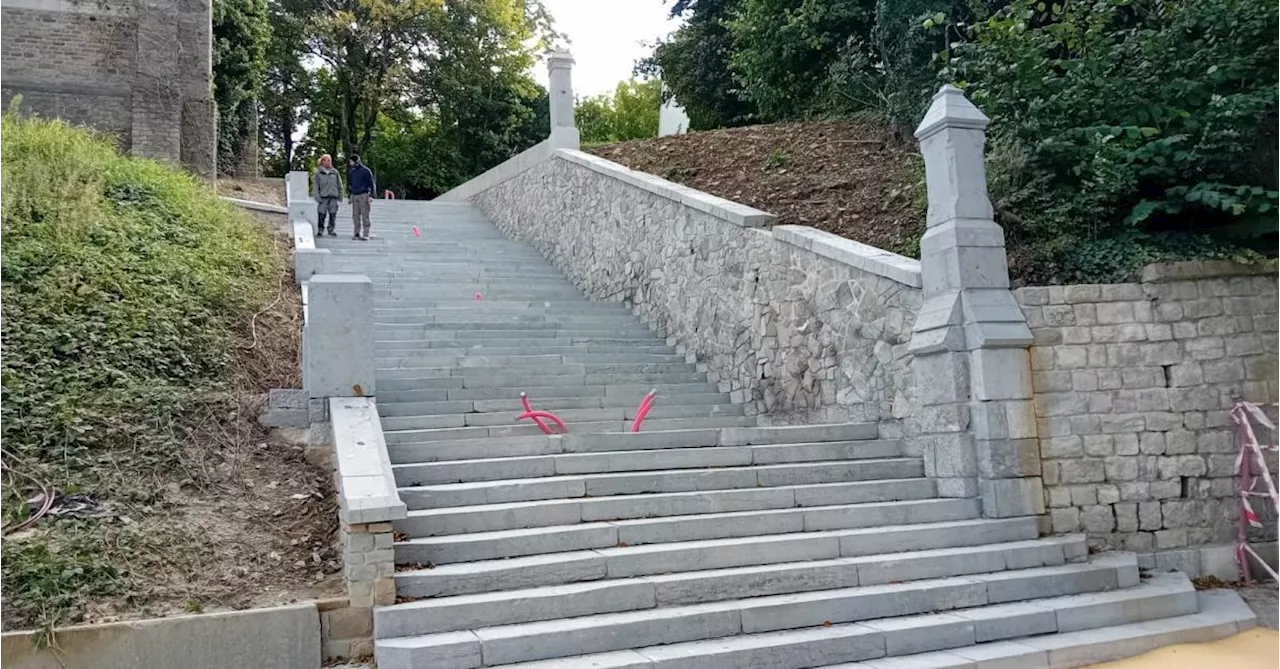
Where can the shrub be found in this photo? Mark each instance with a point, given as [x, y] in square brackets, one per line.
[125, 284]
[1141, 130]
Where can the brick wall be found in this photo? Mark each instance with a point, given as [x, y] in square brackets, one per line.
[1133, 383]
[136, 69]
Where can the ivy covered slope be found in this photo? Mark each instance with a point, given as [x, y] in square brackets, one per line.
[127, 288]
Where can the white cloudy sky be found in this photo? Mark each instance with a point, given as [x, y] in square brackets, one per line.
[606, 38]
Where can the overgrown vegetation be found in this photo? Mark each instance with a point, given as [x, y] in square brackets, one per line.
[138, 311]
[1123, 131]
[241, 35]
[630, 112]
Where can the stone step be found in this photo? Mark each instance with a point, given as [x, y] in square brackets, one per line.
[511, 384]
[879, 608]
[636, 334]
[569, 416]
[419, 496]
[1159, 612]
[494, 469]
[480, 320]
[483, 367]
[471, 357]
[688, 406]
[578, 429]
[590, 397]
[739, 544]
[524, 515]
[642, 343]
[504, 306]
[503, 606]
[405, 391]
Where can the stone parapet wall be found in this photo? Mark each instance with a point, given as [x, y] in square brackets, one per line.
[1133, 384]
[799, 325]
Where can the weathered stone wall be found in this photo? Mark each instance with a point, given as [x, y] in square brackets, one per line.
[137, 69]
[775, 316]
[1133, 385]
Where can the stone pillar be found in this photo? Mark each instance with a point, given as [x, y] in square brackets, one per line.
[157, 90]
[564, 130]
[337, 340]
[297, 194]
[199, 131]
[974, 420]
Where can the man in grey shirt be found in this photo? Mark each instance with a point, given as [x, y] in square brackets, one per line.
[326, 188]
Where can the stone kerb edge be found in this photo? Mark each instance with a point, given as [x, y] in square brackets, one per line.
[738, 214]
[867, 258]
[308, 260]
[505, 171]
[1191, 270]
[366, 484]
[256, 206]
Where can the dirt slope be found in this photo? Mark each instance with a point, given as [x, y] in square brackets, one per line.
[850, 178]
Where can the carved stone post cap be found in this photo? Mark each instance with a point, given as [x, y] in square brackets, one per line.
[951, 109]
[559, 58]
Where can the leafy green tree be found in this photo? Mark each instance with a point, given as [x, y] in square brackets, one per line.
[784, 50]
[1127, 132]
[241, 32]
[694, 65]
[631, 112]
[286, 96]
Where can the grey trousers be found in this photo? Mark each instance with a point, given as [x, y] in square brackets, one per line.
[327, 207]
[360, 213]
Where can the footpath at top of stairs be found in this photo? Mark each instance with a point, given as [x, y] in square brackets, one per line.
[703, 541]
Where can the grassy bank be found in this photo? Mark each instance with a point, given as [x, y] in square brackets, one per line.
[142, 316]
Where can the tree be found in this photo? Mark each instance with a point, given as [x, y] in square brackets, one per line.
[631, 112]
[286, 96]
[241, 32]
[694, 65]
[784, 51]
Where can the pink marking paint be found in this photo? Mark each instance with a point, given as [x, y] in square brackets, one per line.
[417, 232]
[479, 297]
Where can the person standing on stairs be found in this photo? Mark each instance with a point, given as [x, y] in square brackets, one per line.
[360, 186]
[326, 188]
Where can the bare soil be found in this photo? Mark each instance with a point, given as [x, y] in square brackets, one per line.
[243, 520]
[853, 179]
[267, 190]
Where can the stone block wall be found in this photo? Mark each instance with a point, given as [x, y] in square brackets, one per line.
[137, 69]
[784, 319]
[1133, 384]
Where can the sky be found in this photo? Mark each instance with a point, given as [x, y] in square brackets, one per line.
[605, 37]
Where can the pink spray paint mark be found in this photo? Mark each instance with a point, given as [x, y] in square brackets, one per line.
[417, 232]
[645, 405]
[479, 297]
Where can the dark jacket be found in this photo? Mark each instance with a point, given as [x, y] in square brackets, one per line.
[359, 179]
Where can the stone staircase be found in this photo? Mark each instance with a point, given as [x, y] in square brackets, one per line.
[703, 541]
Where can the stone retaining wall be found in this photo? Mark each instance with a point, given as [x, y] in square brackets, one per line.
[1133, 384]
[799, 325]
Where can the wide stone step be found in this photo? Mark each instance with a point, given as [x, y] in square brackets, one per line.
[494, 469]
[636, 344]
[615, 411]
[482, 368]
[523, 515]
[692, 404]
[479, 320]
[1069, 631]
[737, 544]
[419, 496]
[406, 391]
[581, 429]
[725, 621]
[501, 606]
[470, 357]
[410, 402]
[513, 383]
[637, 334]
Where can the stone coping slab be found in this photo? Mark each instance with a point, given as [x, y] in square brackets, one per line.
[283, 637]
[507, 170]
[256, 206]
[738, 214]
[868, 258]
[367, 486]
[1203, 269]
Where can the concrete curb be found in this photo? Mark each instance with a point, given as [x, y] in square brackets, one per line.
[286, 637]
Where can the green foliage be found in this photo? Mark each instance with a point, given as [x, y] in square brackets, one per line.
[125, 281]
[44, 579]
[631, 112]
[241, 33]
[784, 51]
[694, 65]
[1139, 128]
[286, 96]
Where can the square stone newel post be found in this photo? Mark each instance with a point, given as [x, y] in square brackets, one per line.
[297, 197]
[337, 340]
[564, 129]
[974, 420]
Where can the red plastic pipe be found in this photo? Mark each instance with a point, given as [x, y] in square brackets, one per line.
[528, 411]
[643, 410]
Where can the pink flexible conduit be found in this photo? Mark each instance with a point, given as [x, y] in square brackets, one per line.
[643, 410]
[537, 417]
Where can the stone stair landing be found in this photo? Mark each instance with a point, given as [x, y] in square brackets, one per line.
[703, 541]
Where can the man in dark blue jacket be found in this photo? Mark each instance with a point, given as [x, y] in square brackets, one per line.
[360, 187]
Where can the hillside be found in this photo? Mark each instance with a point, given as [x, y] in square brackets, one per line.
[850, 178]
